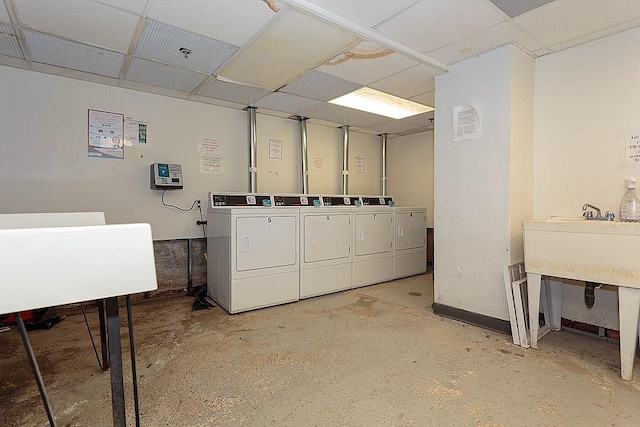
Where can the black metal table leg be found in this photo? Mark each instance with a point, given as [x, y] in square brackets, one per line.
[35, 369]
[134, 374]
[115, 358]
[104, 339]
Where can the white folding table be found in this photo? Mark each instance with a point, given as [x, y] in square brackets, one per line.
[44, 267]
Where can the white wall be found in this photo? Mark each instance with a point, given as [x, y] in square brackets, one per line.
[473, 183]
[521, 152]
[586, 103]
[410, 171]
[278, 176]
[45, 167]
[324, 144]
[369, 148]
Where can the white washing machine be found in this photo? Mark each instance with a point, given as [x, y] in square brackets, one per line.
[253, 252]
[326, 241]
[373, 241]
[410, 256]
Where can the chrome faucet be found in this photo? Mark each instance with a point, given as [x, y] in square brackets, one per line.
[608, 216]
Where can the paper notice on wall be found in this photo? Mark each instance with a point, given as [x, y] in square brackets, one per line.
[466, 123]
[275, 149]
[211, 156]
[632, 144]
[317, 163]
[106, 135]
[359, 164]
[136, 133]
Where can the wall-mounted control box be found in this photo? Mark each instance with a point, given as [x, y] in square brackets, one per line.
[166, 176]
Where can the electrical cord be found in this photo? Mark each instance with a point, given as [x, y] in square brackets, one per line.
[178, 207]
[202, 222]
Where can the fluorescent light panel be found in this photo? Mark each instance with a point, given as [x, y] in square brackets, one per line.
[383, 104]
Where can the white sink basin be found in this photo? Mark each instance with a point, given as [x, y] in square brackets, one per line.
[592, 251]
[595, 251]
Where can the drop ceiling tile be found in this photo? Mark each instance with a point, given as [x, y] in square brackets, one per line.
[325, 123]
[285, 102]
[76, 56]
[413, 131]
[424, 119]
[395, 126]
[435, 23]
[13, 62]
[9, 45]
[157, 90]
[232, 21]
[367, 12]
[163, 75]
[408, 83]
[329, 112]
[273, 113]
[135, 6]
[343, 115]
[365, 71]
[365, 131]
[563, 20]
[491, 38]
[232, 92]
[320, 86]
[293, 45]
[4, 15]
[218, 102]
[365, 120]
[428, 98]
[90, 22]
[515, 8]
[593, 36]
[74, 74]
[163, 42]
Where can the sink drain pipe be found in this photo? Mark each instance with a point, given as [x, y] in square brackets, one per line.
[590, 293]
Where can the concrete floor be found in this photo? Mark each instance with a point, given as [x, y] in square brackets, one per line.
[374, 356]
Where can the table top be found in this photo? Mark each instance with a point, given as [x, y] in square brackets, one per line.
[43, 267]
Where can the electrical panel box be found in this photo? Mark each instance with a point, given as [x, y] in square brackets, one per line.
[166, 176]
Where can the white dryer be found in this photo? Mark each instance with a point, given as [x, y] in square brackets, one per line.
[253, 252]
[326, 239]
[410, 256]
[373, 241]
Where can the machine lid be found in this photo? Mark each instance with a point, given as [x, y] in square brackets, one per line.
[377, 200]
[240, 199]
[296, 200]
[340, 200]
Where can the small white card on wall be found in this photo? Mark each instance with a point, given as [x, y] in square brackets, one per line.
[136, 132]
[317, 163]
[466, 123]
[632, 147]
[275, 149]
[359, 164]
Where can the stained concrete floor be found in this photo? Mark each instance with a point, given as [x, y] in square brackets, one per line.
[374, 356]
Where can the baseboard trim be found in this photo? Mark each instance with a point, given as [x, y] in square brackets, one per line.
[487, 322]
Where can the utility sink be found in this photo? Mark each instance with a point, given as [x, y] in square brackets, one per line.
[592, 251]
[595, 251]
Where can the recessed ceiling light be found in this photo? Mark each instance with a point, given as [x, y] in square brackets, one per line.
[376, 102]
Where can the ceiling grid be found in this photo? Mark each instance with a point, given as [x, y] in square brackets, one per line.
[290, 57]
